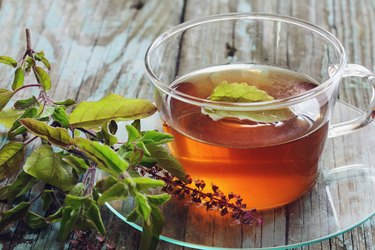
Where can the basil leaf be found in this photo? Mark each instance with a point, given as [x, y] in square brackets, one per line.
[35, 221]
[8, 61]
[156, 138]
[5, 96]
[144, 183]
[242, 92]
[77, 163]
[43, 78]
[158, 199]
[48, 166]
[152, 230]
[93, 214]
[11, 157]
[107, 159]
[105, 184]
[17, 127]
[19, 187]
[165, 160]
[67, 102]
[26, 103]
[238, 92]
[58, 136]
[14, 214]
[59, 114]
[9, 116]
[68, 219]
[118, 191]
[94, 114]
[19, 77]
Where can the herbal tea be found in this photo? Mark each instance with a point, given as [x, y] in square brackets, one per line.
[268, 162]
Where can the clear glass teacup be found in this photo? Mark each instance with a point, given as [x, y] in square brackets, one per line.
[204, 73]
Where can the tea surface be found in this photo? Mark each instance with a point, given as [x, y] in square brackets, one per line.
[268, 164]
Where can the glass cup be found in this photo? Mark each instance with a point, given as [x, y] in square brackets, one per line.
[267, 163]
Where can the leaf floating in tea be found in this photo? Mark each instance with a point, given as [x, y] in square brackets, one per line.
[242, 92]
[238, 92]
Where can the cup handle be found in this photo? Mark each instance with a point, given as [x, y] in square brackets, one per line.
[366, 117]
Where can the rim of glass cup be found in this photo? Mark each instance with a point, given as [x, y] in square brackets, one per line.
[274, 104]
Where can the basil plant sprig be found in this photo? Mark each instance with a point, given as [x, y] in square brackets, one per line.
[71, 141]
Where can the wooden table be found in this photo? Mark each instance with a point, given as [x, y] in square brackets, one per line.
[97, 47]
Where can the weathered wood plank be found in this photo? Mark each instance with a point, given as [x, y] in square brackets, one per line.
[97, 47]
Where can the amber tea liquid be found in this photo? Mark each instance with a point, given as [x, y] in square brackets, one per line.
[268, 164]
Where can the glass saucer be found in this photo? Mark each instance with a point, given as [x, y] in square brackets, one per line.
[342, 199]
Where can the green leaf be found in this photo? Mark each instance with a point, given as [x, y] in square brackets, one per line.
[107, 159]
[19, 187]
[48, 166]
[107, 136]
[152, 230]
[19, 77]
[69, 218]
[46, 112]
[84, 224]
[118, 191]
[133, 215]
[266, 116]
[55, 217]
[39, 54]
[144, 183]
[58, 136]
[35, 221]
[77, 163]
[137, 124]
[142, 146]
[43, 78]
[14, 214]
[134, 157]
[165, 160]
[76, 202]
[242, 92]
[59, 114]
[28, 64]
[78, 189]
[23, 104]
[11, 157]
[156, 138]
[41, 57]
[143, 208]
[105, 184]
[93, 214]
[17, 128]
[111, 107]
[5, 96]
[8, 61]
[238, 92]
[8, 117]
[47, 197]
[133, 134]
[67, 102]
[158, 199]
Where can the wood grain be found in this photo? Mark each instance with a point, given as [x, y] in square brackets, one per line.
[97, 47]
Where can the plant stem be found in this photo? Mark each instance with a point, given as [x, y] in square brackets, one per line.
[88, 132]
[90, 179]
[37, 197]
[28, 86]
[222, 202]
[29, 141]
[28, 43]
[29, 51]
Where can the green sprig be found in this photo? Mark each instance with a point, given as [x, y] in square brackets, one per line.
[73, 143]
